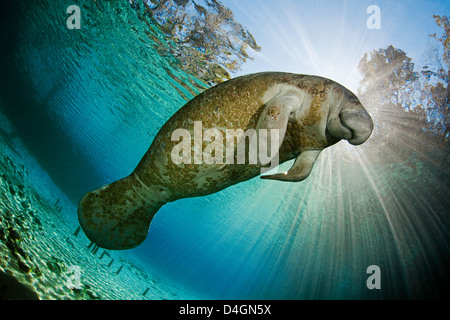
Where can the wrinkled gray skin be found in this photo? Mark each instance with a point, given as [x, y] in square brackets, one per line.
[311, 114]
[351, 122]
[339, 116]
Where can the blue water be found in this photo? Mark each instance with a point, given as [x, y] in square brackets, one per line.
[81, 107]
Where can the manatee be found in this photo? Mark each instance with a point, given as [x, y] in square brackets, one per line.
[309, 112]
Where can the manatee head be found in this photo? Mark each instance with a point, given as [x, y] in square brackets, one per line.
[347, 118]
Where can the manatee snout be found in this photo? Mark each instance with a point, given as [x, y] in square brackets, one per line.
[359, 123]
[353, 124]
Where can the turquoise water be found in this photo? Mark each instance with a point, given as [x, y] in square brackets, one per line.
[81, 107]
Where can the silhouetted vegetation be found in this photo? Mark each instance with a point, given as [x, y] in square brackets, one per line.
[410, 107]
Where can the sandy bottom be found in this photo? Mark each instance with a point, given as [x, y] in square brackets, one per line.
[41, 254]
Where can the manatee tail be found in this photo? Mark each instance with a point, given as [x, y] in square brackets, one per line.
[117, 216]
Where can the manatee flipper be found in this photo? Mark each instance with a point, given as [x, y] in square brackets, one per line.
[117, 216]
[275, 115]
[300, 170]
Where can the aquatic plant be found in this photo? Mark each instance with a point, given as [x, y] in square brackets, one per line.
[56, 265]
